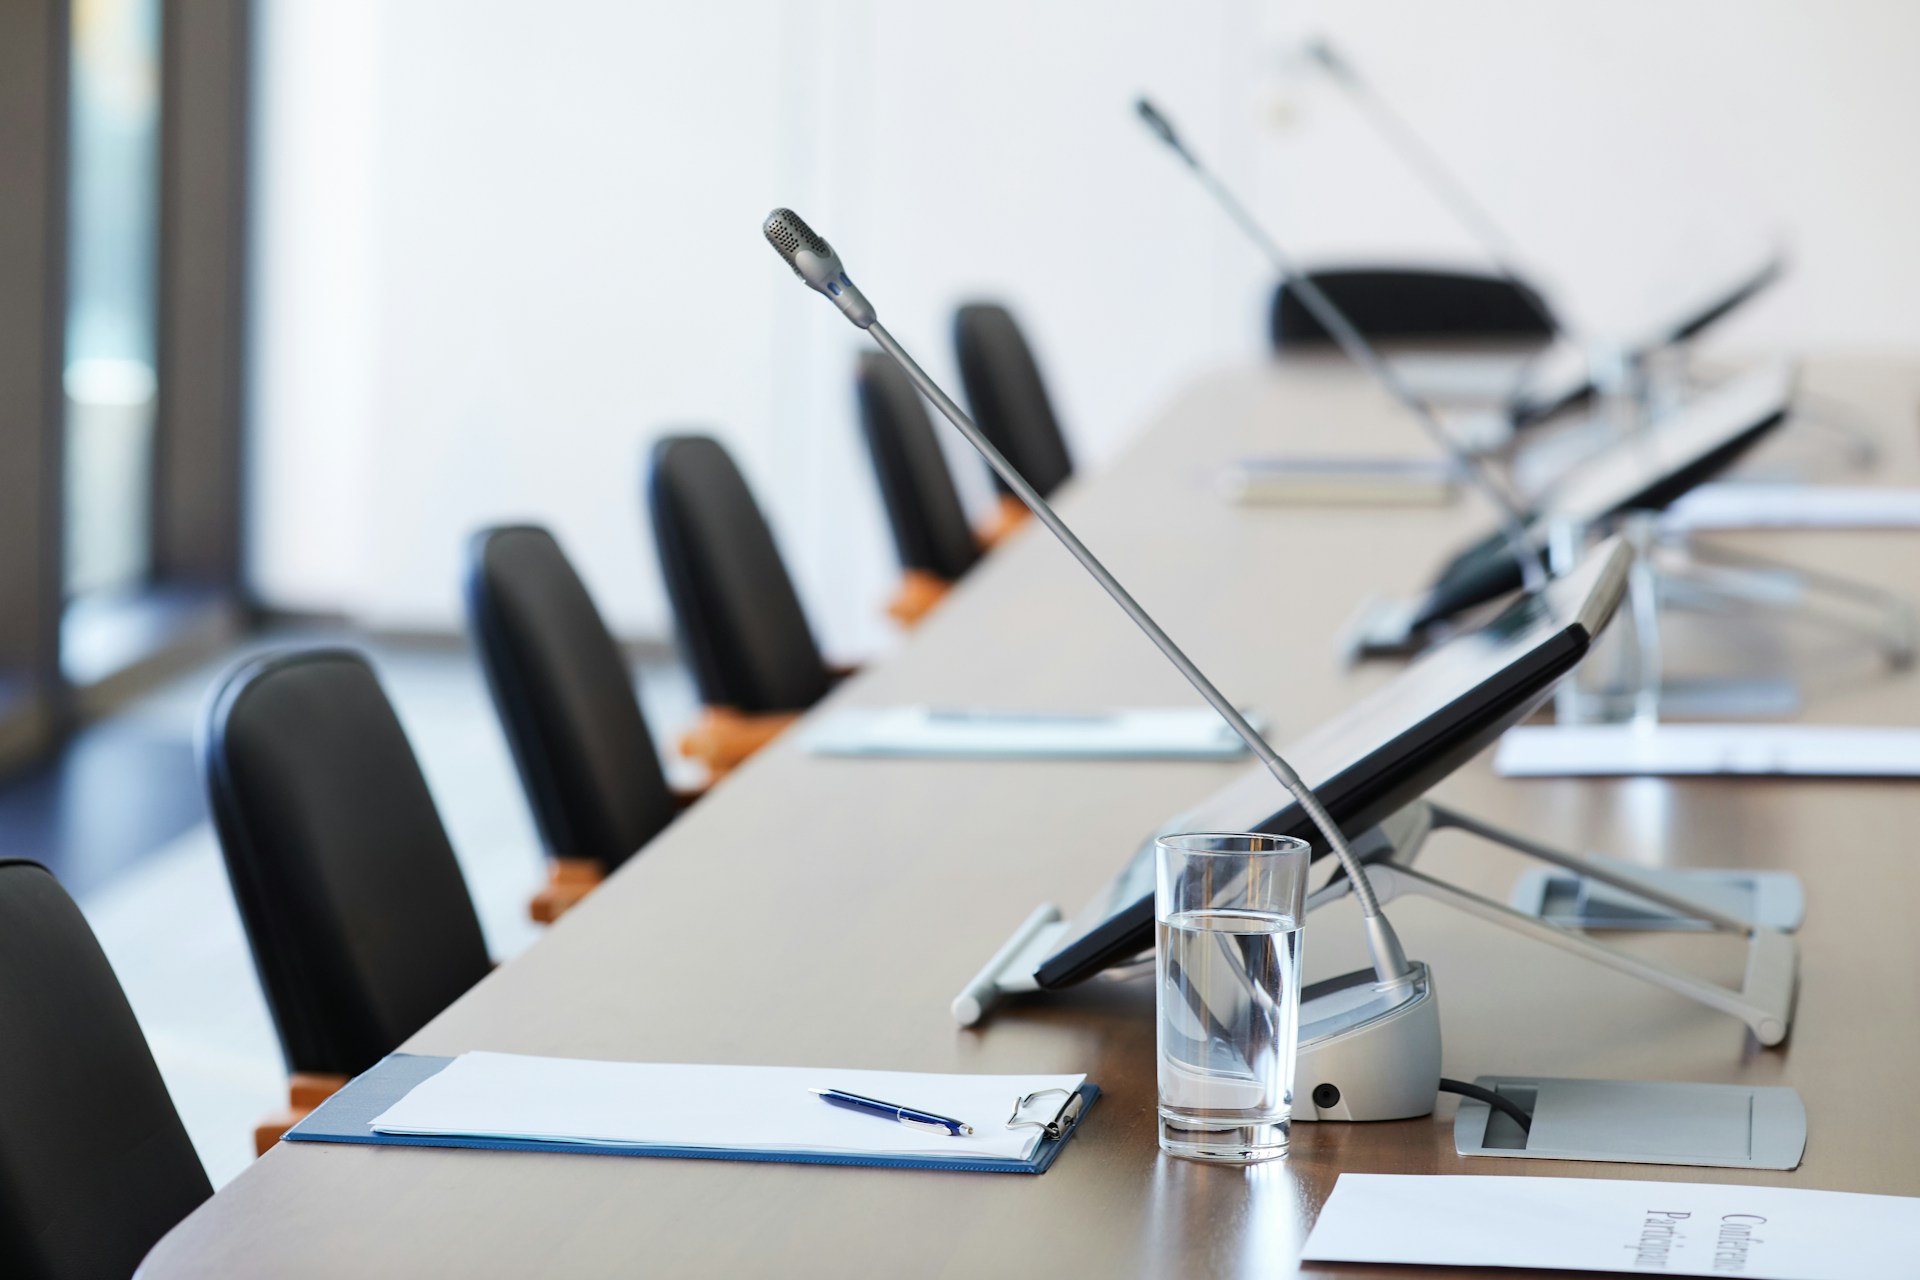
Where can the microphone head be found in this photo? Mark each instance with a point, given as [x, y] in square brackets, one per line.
[1321, 52]
[789, 236]
[814, 261]
[1161, 127]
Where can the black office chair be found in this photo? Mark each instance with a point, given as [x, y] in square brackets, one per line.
[359, 920]
[95, 1165]
[1009, 401]
[567, 703]
[741, 628]
[930, 530]
[1411, 303]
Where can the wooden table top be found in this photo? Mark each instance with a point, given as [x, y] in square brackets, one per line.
[824, 912]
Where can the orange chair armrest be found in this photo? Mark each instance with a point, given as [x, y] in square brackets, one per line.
[568, 881]
[723, 738]
[918, 594]
[1008, 515]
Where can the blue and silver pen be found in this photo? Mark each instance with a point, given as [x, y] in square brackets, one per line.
[889, 1111]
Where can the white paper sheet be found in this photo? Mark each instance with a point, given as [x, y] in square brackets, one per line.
[1326, 479]
[1794, 506]
[1585, 1224]
[1461, 378]
[572, 1100]
[1678, 750]
[1174, 733]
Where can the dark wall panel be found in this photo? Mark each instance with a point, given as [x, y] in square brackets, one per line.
[203, 207]
[33, 113]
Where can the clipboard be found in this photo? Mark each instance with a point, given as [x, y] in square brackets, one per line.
[347, 1117]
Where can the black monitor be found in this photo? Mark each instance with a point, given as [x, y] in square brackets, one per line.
[1645, 471]
[1381, 754]
[1561, 378]
[1648, 470]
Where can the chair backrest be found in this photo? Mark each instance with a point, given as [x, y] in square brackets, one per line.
[741, 627]
[565, 698]
[1007, 396]
[930, 528]
[359, 920]
[94, 1163]
[1411, 303]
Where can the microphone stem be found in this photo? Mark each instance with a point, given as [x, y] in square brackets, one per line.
[1389, 961]
[1354, 345]
[1439, 179]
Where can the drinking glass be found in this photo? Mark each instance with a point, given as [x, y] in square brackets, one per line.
[1227, 913]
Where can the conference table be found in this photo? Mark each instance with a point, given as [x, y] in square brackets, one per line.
[819, 911]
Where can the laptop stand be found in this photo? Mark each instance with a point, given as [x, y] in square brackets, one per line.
[1764, 1000]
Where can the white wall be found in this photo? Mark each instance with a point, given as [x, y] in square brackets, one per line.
[501, 245]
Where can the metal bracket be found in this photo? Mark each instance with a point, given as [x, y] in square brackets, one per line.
[1764, 1000]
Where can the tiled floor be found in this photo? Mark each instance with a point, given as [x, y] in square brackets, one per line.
[121, 821]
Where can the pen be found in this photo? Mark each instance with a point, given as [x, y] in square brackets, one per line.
[888, 1111]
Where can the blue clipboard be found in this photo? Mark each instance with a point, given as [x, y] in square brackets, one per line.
[348, 1116]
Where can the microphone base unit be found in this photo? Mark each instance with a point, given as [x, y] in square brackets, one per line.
[1368, 1051]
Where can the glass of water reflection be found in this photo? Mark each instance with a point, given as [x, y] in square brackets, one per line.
[1227, 915]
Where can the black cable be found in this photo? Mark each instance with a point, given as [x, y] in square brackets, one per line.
[1492, 1099]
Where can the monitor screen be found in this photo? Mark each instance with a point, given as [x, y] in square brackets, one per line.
[1646, 470]
[1561, 377]
[1382, 753]
[1649, 469]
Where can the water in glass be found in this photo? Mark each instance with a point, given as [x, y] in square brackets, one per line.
[1229, 1013]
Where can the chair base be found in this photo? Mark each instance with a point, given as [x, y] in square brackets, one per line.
[723, 738]
[305, 1091]
[568, 881]
[1008, 516]
[919, 592]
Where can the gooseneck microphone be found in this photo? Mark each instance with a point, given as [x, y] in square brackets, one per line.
[1437, 178]
[1354, 345]
[814, 261]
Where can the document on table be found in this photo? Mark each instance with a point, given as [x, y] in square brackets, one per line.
[1794, 506]
[1585, 1224]
[1169, 733]
[1676, 750]
[712, 1108]
[1452, 378]
[1340, 481]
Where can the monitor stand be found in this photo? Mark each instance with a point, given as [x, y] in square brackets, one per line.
[1625, 729]
[1764, 1000]
[1677, 571]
